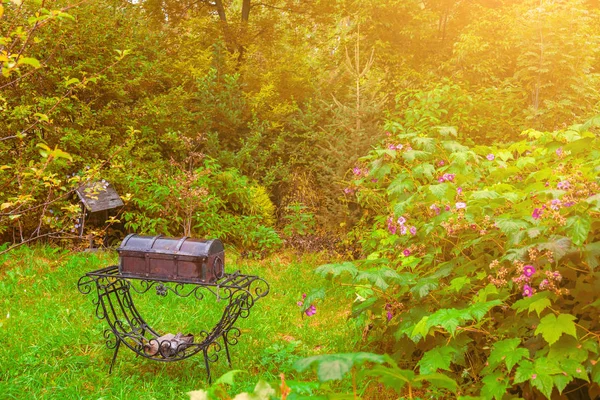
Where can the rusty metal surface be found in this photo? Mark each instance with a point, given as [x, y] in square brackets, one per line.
[172, 258]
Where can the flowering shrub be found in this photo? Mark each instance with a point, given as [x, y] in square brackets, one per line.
[490, 255]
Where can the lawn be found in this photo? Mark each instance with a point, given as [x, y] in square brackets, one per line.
[53, 348]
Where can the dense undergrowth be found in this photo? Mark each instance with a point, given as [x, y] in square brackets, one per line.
[481, 262]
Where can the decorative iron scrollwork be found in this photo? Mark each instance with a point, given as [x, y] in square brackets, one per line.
[115, 305]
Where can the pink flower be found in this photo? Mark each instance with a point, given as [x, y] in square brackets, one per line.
[399, 147]
[555, 204]
[559, 151]
[537, 213]
[401, 220]
[447, 208]
[544, 284]
[356, 171]
[448, 177]
[300, 304]
[563, 185]
[403, 229]
[490, 157]
[413, 230]
[441, 163]
[460, 205]
[310, 311]
[389, 315]
[406, 252]
[435, 209]
[527, 291]
[528, 270]
[303, 295]
[533, 376]
[391, 147]
[459, 190]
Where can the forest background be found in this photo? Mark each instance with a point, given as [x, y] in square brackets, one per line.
[311, 125]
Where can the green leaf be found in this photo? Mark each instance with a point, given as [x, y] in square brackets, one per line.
[478, 310]
[508, 351]
[484, 194]
[494, 386]
[378, 277]
[411, 155]
[392, 377]
[439, 380]
[360, 307]
[552, 327]
[424, 286]
[524, 372]
[574, 369]
[439, 190]
[228, 377]
[535, 302]
[447, 131]
[424, 143]
[421, 328]
[424, 170]
[71, 81]
[400, 185]
[578, 228]
[457, 284]
[544, 383]
[596, 372]
[312, 296]
[29, 61]
[454, 147]
[524, 161]
[337, 269]
[449, 319]
[436, 358]
[335, 366]
[510, 226]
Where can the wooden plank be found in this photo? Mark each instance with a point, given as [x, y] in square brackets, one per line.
[99, 196]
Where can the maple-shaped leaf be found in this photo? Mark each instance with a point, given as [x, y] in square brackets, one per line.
[561, 381]
[392, 377]
[494, 386]
[420, 330]
[538, 303]
[337, 269]
[544, 383]
[508, 351]
[439, 380]
[478, 310]
[449, 319]
[540, 374]
[436, 358]
[574, 369]
[552, 327]
[457, 284]
[524, 372]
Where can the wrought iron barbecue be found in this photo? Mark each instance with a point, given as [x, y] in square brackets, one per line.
[127, 327]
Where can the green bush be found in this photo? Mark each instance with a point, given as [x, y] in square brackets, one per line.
[482, 262]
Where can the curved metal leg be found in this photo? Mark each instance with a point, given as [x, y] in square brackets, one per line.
[115, 355]
[206, 363]
[227, 351]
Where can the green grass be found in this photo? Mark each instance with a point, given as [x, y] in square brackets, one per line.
[52, 345]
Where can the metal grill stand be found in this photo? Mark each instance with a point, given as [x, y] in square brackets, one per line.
[127, 327]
